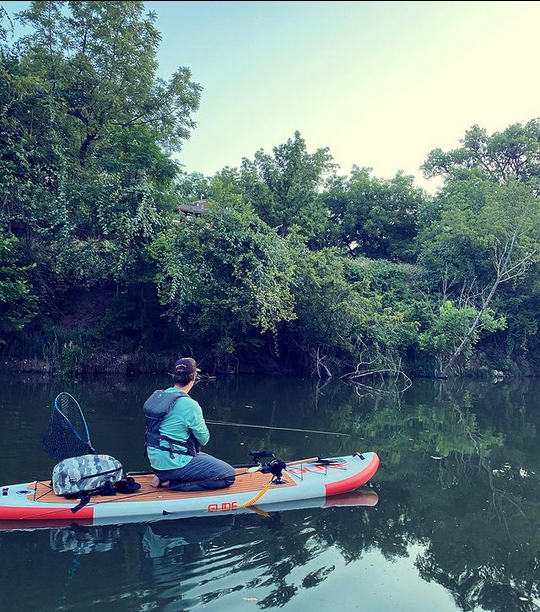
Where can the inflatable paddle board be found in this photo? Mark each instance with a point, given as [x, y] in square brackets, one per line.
[301, 480]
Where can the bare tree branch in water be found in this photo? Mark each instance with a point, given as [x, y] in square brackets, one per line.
[387, 366]
[319, 367]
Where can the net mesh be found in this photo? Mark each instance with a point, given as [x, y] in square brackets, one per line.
[66, 434]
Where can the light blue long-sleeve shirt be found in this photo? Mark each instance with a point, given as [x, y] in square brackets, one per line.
[184, 417]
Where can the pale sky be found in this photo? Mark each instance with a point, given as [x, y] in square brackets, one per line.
[379, 83]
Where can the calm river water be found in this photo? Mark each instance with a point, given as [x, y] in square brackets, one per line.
[456, 526]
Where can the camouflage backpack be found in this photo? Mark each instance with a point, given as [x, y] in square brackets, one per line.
[86, 474]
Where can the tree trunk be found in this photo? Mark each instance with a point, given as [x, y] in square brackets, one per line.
[83, 153]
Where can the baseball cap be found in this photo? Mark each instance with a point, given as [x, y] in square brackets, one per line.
[186, 365]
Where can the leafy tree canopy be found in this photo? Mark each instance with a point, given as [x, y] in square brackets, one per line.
[98, 61]
[373, 217]
[284, 187]
[472, 224]
[226, 276]
[514, 152]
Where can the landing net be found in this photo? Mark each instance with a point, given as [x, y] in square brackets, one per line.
[67, 434]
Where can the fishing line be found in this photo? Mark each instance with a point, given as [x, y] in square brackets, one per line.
[318, 431]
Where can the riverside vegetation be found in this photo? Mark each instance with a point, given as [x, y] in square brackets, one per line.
[293, 266]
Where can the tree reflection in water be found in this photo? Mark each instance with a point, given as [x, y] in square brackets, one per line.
[458, 492]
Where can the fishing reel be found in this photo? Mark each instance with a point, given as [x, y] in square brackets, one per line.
[274, 467]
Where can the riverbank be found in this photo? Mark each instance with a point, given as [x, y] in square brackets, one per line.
[142, 362]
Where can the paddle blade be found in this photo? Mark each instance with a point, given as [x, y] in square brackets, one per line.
[66, 434]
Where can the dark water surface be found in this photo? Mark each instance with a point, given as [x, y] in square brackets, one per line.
[456, 527]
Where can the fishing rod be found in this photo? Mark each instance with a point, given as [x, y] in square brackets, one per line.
[318, 431]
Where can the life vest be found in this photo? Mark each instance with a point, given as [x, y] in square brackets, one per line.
[156, 408]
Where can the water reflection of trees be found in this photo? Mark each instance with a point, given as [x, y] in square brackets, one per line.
[459, 477]
[476, 489]
[274, 556]
[462, 463]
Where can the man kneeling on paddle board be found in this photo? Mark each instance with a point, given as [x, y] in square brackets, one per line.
[175, 432]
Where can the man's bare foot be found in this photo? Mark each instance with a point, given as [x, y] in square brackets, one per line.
[157, 484]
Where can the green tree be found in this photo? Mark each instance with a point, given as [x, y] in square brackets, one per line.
[512, 153]
[117, 208]
[193, 186]
[284, 187]
[86, 129]
[454, 331]
[484, 235]
[31, 165]
[224, 278]
[98, 59]
[342, 322]
[373, 217]
[104, 125]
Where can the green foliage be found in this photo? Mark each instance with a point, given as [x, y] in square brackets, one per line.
[119, 206]
[512, 153]
[283, 187]
[225, 276]
[193, 186]
[397, 283]
[452, 240]
[480, 242]
[482, 229]
[17, 304]
[341, 317]
[291, 261]
[328, 308]
[72, 358]
[31, 162]
[479, 219]
[451, 325]
[99, 61]
[373, 217]
[86, 181]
